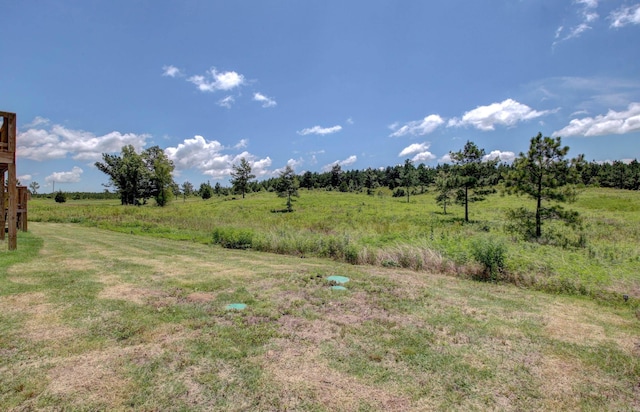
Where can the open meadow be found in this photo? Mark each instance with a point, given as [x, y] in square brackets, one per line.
[93, 319]
[600, 260]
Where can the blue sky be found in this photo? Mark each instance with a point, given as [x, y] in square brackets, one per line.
[313, 83]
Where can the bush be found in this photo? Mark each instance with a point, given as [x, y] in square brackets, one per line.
[231, 238]
[399, 192]
[491, 255]
[206, 193]
[60, 197]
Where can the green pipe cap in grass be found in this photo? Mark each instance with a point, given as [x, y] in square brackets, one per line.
[235, 306]
[338, 288]
[338, 279]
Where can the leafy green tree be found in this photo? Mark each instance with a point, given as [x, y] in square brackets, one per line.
[370, 180]
[426, 176]
[308, 180]
[206, 191]
[545, 175]
[187, 189]
[287, 185]
[160, 178]
[473, 175]
[336, 176]
[408, 177]
[393, 176]
[138, 177]
[127, 173]
[241, 176]
[34, 186]
[445, 185]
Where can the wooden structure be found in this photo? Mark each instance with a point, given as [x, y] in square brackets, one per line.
[9, 191]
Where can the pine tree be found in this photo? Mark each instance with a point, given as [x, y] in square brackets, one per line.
[241, 176]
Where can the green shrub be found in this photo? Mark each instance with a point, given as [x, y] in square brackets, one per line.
[60, 197]
[232, 238]
[491, 255]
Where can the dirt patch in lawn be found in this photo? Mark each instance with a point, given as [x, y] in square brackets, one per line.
[201, 297]
[24, 280]
[130, 293]
[93, 377]
[303, 374]
[575, 324]
[22, 302]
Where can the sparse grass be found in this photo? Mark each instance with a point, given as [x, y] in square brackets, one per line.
[386, 231]
[100, 320]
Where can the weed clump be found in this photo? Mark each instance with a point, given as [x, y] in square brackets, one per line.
[232, 238]
[491, 254]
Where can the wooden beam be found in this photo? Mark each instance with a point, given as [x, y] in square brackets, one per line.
[12, 212]
[9, 126]
[23, 200]
[6, 157]
[3, 205]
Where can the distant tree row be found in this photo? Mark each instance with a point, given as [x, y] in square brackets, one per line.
[543, 174]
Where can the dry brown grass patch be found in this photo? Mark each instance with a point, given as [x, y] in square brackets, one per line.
[130, 293]
[201, 297]
[22, 302]
[94, 377]
[574, 323]
[303, 374]
[24, 281]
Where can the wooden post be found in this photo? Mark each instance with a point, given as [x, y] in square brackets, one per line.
[3, 203]
[11, 185]
[23, 199]
[12, 213]
[8, 162]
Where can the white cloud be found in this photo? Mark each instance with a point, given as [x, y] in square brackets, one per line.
[293, 163]
[611, 123]
[506, 113]
[72, 176]
[266, 101]
[241, 144]
[422, 154]
[587, 15]
[38, 121]
[171, 71]
[60, 142]
[194, 153]
[208, 158]
[320, 130]
[414, 148]
[214, 80]
[502, 156]
[261, 167]
[577, 31]
[625, 16]
[350, 121]
[418, 127]
[423, 157]
[227, 102]
[346, 162]
[25, 178]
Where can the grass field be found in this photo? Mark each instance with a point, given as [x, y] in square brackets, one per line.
[383, 231]
[103, 320]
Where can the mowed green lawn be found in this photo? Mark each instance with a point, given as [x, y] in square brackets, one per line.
[92, 319]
